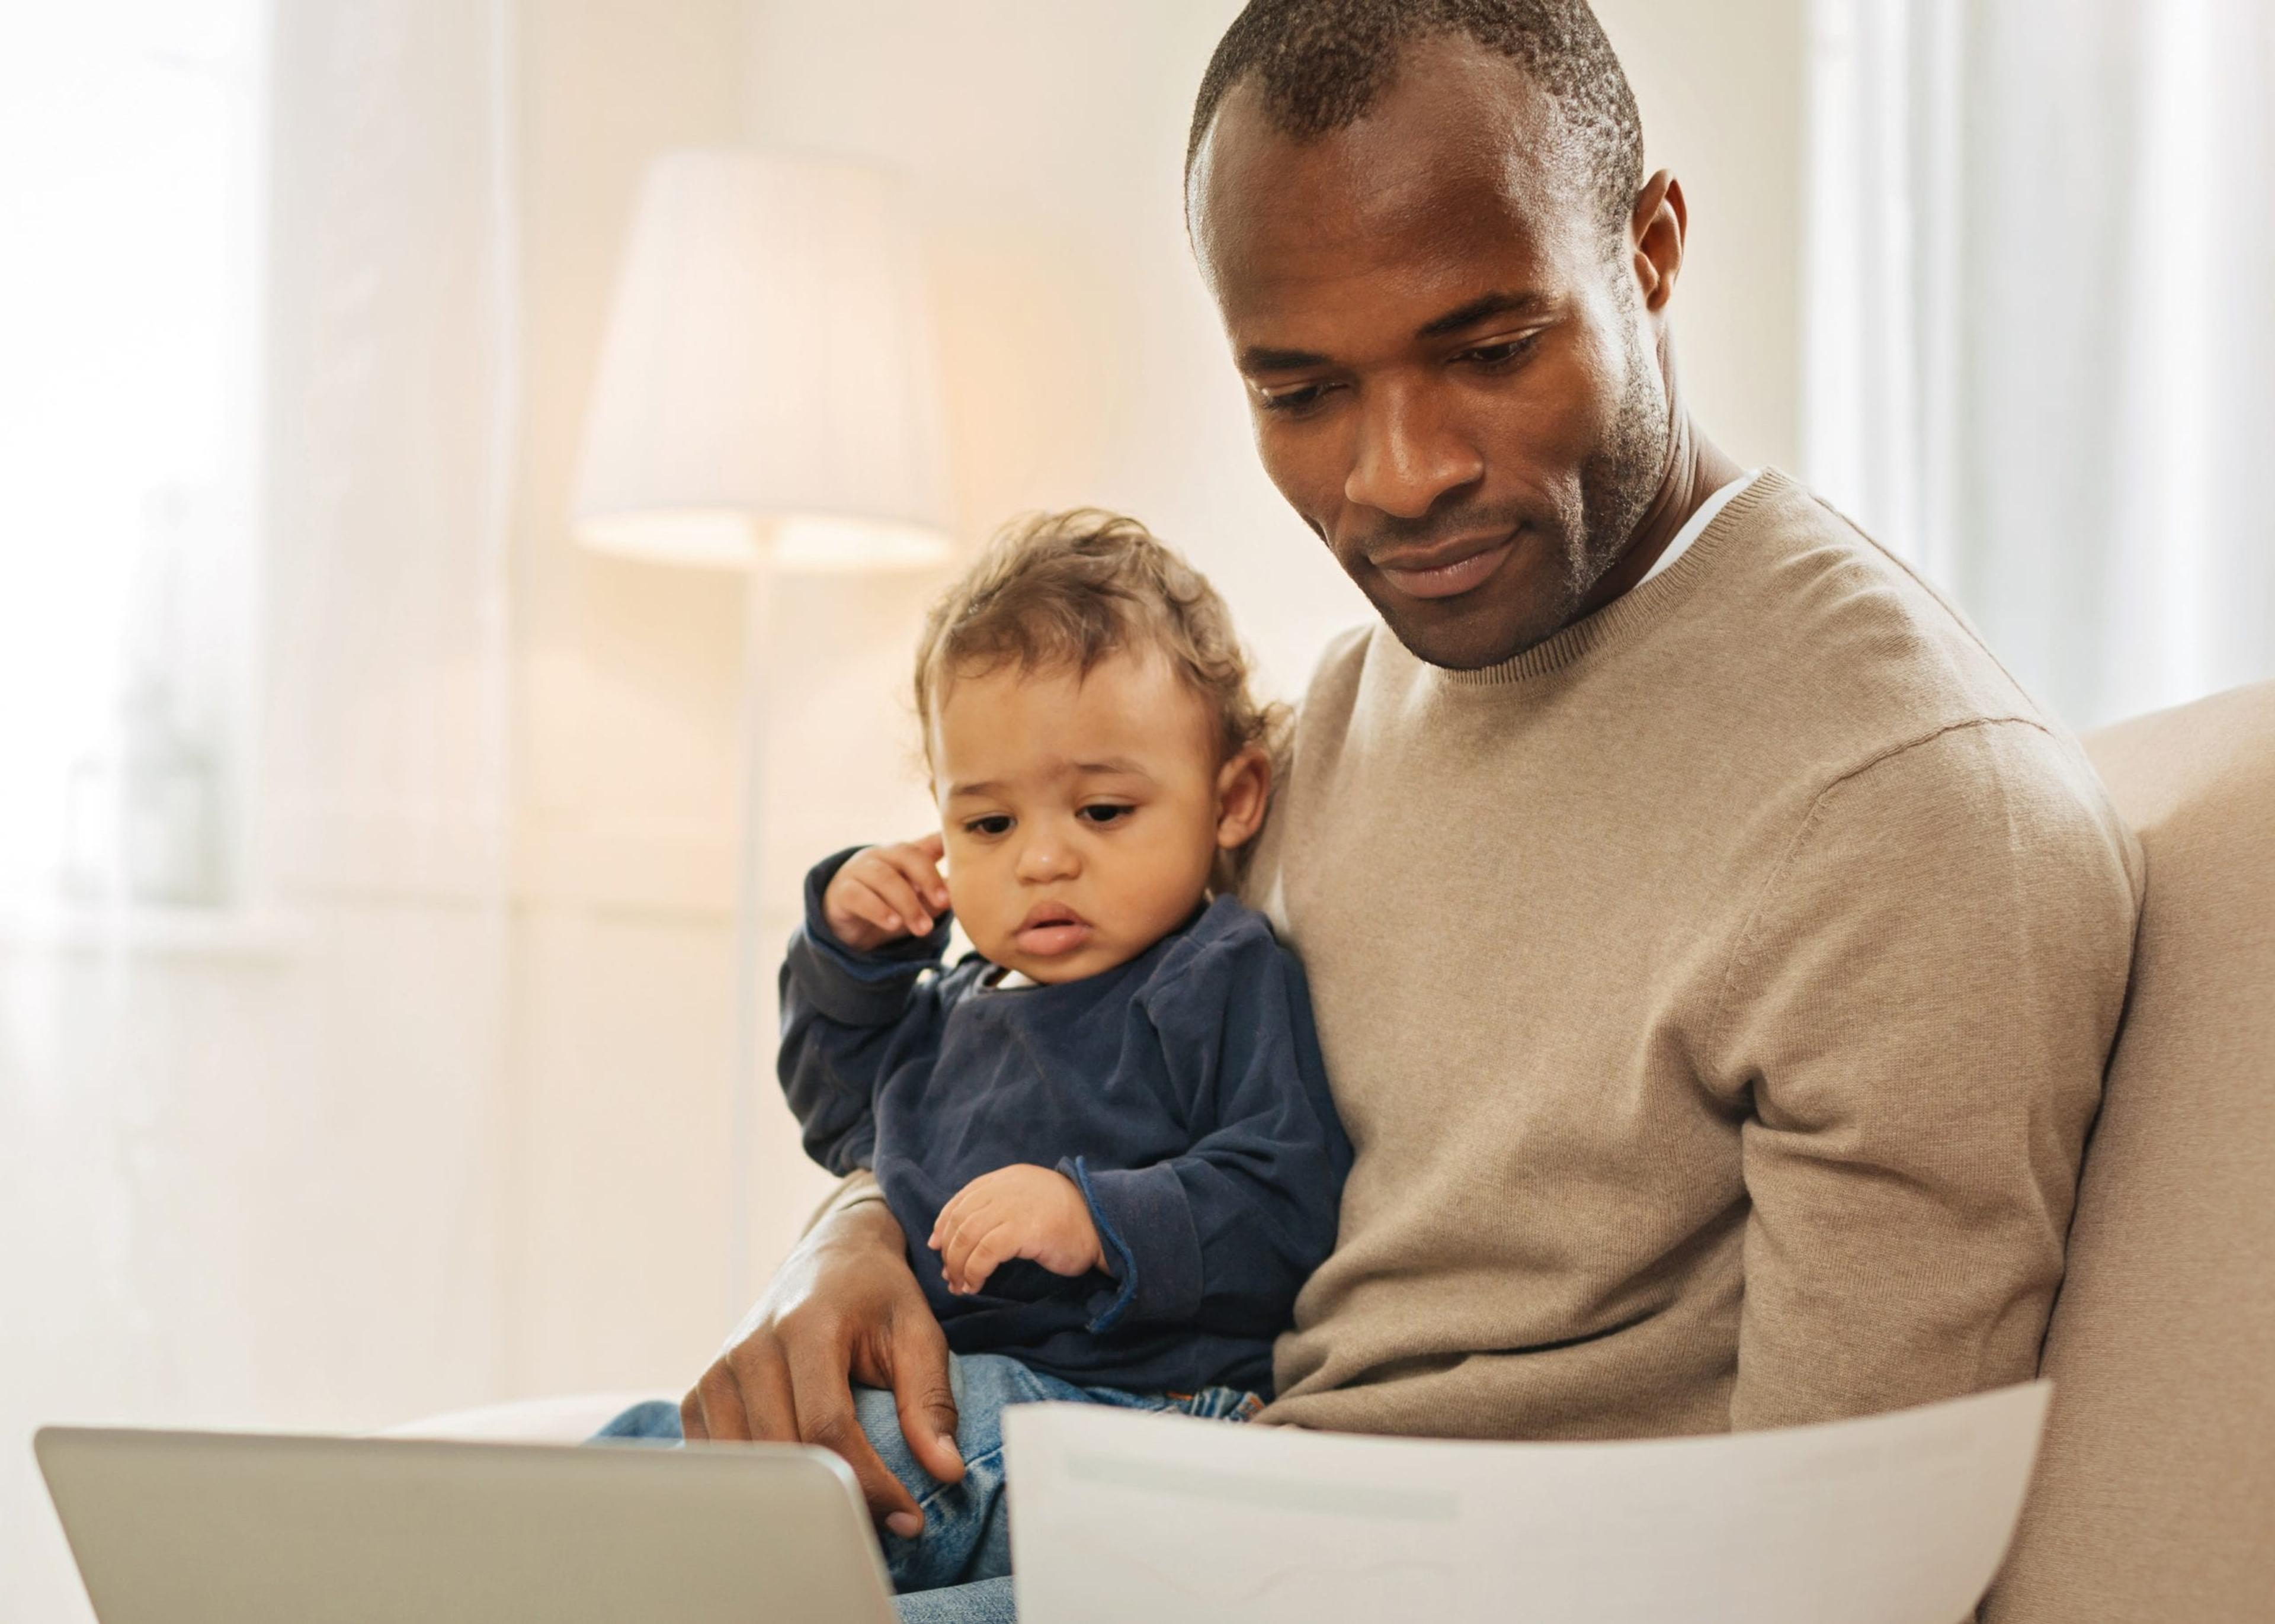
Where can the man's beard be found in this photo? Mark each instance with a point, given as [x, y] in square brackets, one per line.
[1618, 483]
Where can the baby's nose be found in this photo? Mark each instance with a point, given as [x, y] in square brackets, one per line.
[1047, 858]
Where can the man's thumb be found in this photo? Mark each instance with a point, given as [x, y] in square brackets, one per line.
[927, 1402]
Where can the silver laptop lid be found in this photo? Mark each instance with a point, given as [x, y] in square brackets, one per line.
[191, 1527]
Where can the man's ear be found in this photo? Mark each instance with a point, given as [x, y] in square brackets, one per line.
[1656, 231]
[1243, 792]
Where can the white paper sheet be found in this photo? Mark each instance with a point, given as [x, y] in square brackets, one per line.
[1119, 1518]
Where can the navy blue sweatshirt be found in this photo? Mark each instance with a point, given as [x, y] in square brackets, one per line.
[1183, 1091]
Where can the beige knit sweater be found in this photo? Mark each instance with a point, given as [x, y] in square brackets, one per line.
[1717, 995]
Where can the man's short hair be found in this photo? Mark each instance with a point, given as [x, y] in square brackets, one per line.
[1322, 65]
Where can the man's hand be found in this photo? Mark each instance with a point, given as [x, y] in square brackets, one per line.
[1019, 1212]
[886, 893]
[844, 1305]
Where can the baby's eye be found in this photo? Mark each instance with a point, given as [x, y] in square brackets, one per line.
[1106, 812]
[996, 824]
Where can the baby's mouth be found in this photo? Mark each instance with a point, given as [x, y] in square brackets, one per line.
[1051, 930]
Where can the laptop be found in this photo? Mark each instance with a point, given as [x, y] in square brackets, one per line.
[205, 1528]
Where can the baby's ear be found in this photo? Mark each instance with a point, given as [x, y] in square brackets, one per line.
[1243, 792]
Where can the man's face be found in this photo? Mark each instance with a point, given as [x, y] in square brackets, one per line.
[1453, 378]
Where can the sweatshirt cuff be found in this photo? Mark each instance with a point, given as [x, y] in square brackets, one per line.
[1145, 1227]
[855, 988]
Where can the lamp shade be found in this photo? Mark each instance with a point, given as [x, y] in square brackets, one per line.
[767, 379]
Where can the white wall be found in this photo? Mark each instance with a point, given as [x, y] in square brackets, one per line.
[1723, 103]
[625, 773]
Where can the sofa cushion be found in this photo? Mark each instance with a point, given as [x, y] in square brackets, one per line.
[564, 1420]
[2154, 1497]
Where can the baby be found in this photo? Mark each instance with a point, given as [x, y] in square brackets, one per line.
[1107, 1134]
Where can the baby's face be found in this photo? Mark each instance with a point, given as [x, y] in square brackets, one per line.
[1080, 814]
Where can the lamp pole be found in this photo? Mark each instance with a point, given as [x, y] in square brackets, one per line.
[750, 899]
[766, 401]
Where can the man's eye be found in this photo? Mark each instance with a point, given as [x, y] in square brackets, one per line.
[1495, 355]
[1295, 401]
[997, 824]
[1107, 813]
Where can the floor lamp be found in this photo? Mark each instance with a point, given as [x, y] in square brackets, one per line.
[766, 401]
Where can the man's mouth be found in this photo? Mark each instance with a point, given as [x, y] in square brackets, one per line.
[1447, 569]
[1051, 930]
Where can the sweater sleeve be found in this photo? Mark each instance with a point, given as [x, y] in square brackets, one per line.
[1919, 1012]
[1223, 1237]
[849, 1020]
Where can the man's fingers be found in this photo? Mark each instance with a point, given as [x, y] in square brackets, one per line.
[765, 1390]
[690, 1418]
[720, 1397]
[823, 1394]
[923, 1395]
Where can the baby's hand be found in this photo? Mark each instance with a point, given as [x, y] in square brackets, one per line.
[1020, 1212]
[885, 893]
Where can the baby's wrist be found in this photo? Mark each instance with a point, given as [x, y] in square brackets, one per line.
[1086, 1223]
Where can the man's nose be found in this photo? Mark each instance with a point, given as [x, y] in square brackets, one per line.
[1409, 453]
[1048, 856]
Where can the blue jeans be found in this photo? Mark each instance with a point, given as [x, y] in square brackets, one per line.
[957, 1570]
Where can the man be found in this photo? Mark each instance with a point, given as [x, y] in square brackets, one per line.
[1715, 953]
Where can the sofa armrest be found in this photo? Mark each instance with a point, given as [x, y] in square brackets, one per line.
[569, 1420]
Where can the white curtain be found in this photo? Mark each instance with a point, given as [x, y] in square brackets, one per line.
[251, 1170]
[2041, 334]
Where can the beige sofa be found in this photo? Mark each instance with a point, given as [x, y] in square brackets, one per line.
[2155, 1499]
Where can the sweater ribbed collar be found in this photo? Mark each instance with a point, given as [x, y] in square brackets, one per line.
[1634, 610]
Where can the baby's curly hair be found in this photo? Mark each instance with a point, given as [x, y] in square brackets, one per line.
[1064, 592]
